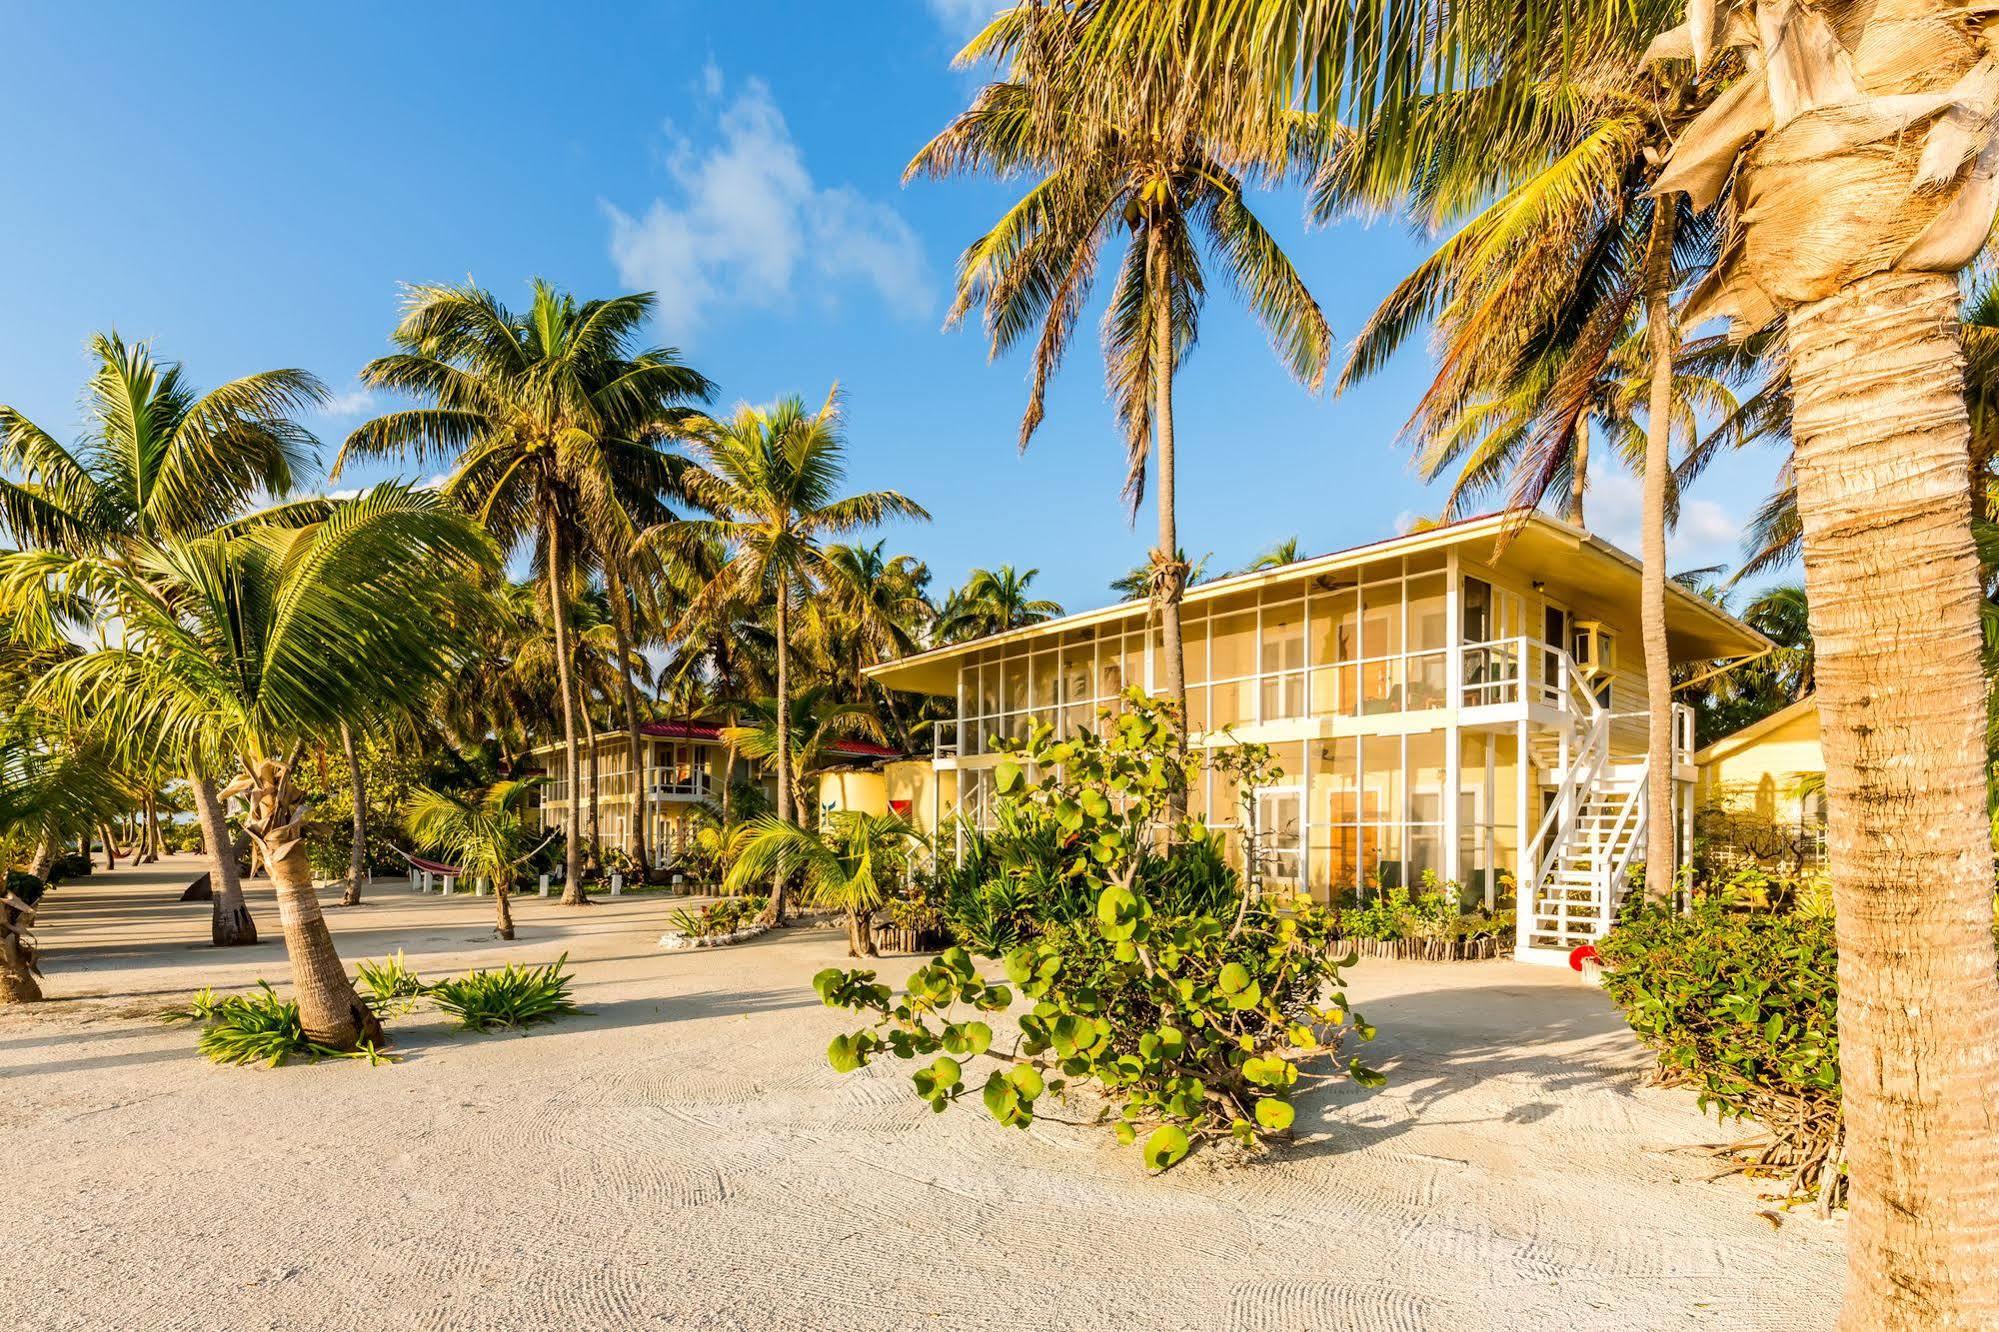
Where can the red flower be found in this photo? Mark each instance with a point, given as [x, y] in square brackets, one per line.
[1581, 954]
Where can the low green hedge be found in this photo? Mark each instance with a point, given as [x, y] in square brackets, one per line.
[1744, 1007]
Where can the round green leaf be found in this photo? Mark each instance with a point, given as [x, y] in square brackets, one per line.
[1165, 1147]
[1275, 1115]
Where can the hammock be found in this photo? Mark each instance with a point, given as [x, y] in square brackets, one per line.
[429, 866]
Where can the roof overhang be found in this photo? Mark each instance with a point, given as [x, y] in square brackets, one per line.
[1592, 573]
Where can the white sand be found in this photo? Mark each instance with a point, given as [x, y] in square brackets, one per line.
[684, 1158]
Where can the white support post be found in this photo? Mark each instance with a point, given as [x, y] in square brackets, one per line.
[413, 879]
[479, 886]
[1526, 887]
[450, 884]
[543, 891]
[1454, 641]
[617, 884]
[427, 877]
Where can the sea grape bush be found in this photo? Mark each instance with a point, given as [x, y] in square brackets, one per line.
[1192, 1025]
[1744, 1006]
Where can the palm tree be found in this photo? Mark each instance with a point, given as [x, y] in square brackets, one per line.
[1287, 551]
[1862, 183]
[814, 723]
[240, 648]
[1135, 584]
[853, 863]
[161, 460]
[993, 601]
[551, 419]
[1152, 167]
[485, 834]
[770, 476]
[1553, 304]
[874, 610]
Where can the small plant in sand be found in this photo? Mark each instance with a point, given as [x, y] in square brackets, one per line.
[390, 986]
[512, 996]
[257, 1028]
[1190, 1026]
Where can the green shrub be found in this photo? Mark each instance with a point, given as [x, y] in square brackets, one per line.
[723, 917]
[69, 866]
[514, 996]
[1196, 1023]
[1743, 1006]
[390, 987]
[1430, 912]
[256, 1028]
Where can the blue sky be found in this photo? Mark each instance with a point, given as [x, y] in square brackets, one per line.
[249, 185]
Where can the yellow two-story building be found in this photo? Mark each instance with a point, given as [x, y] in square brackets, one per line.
[1436, 704]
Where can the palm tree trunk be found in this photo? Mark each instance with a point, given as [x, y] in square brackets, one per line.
[357, 855]
[17, 956]
[1578, 474]
[503, 912]
[1171, 574]
[329, 1010]
[621, 623]
[1881, 455]
[110, 840]
[773, 913]
[149, 834]
[230, 924]
[572, 824]
[1661, 865]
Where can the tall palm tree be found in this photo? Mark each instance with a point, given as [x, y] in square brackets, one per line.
[1862, 181]
[770, 476]
[240, 648]
[551, 419]
[993, 601]
[1153, 168]
[853, 862]
[487, 834]
[159, 460]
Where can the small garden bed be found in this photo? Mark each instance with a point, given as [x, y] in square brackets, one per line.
[1426, 925]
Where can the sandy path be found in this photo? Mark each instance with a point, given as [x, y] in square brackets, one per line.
[683, 1158]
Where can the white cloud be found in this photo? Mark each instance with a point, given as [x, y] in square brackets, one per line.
[356, 402]
[1405, 522]
[749, 225]
[965, 16]
[1706, 534]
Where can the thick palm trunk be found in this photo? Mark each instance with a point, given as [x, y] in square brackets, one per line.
[572, 824]
[621, 623]
[110, 840]
[1169, 573]
[774, 912]
[357, 852]
[861, 934]
[230, 924]
[1661, 865]
[18, 982]
[1884, 498]
[329, 1009]
[503, 912]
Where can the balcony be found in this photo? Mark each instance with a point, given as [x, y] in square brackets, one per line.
[1473, 683]
[670, 787]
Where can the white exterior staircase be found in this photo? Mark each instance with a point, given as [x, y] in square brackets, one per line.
[1593, 833]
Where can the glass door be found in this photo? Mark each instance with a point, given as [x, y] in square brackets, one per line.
[1279, 833]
